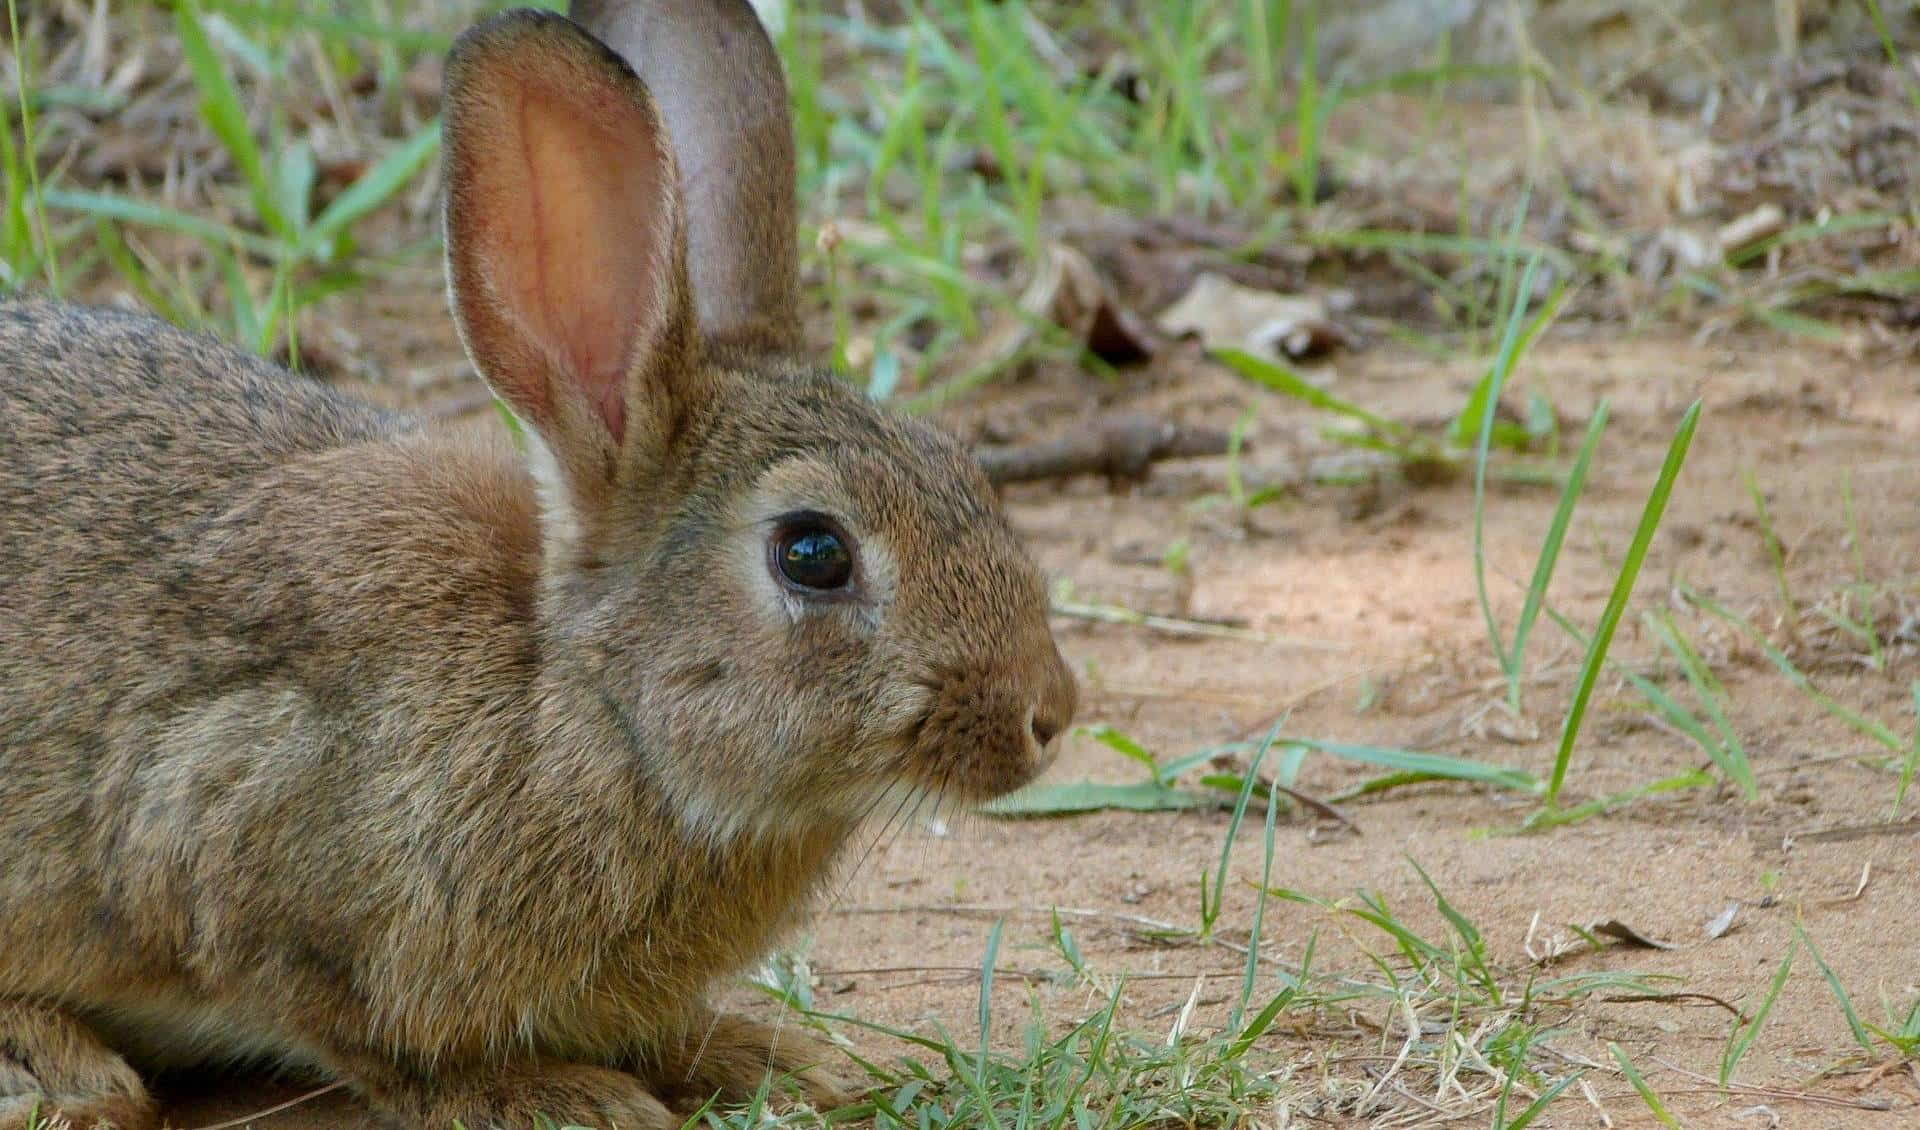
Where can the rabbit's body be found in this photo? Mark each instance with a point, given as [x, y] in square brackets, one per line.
[235, 769]
[335, 741]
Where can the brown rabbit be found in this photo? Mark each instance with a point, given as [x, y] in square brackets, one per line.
[336, 743]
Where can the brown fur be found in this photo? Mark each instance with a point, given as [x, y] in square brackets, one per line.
[339, 743]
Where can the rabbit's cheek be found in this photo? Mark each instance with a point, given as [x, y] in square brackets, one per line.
[899, 709]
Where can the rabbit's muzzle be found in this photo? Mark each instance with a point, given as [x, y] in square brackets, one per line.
[987, 734]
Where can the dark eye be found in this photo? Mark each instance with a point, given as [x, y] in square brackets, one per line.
[811, 554]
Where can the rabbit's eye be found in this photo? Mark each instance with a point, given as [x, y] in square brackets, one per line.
[811, 554]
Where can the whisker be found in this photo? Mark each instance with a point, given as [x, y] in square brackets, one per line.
[847, 878]
[700, 1052]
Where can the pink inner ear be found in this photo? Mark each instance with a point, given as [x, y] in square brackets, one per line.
[572, 221]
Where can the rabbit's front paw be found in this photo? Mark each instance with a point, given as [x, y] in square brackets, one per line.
[732, 1057]
[521, 1098]
[54, 1072]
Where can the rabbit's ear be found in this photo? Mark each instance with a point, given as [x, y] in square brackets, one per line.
[566, 252]
[720, 89]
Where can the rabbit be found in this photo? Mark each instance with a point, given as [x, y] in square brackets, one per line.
[343, 745]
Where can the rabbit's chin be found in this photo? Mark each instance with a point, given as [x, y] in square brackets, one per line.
[723, 820]
[881, 806]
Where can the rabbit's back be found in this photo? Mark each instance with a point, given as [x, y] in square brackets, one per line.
[121, 439]
[129, 453]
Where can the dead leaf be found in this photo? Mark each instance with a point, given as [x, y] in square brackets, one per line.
[1763, 222]
[1069, 291]
[1226, 315]
[1723, 921]
[1620, 931]
[1690, 249]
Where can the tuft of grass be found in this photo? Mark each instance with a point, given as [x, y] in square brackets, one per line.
[1892, 52]
[1746, 1029]
[24, 209]
[1616, 605]
[1723, 744]
[1776, 553]
[306, 254]
[1487, 1031]
[1904, 751]
[975, 125]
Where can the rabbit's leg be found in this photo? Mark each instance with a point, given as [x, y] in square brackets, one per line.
[731, 1056]
[517, 1096]
[55, 1072]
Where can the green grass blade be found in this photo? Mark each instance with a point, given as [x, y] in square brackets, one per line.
[1254, 933]
[976, 1077]
[1550, 548]
[1437, 243]
[1126, 747]
[1282, 379]
[1617, 602]
[1419, 951]
[1881, 29]
[1776, 554]
[1801, 233]
[247, 324]
[1860, 723]
[114, 250]
[1545, 818]
[221, 107]
[1261, 1021]
[294, 174]
[1727, 752]
[111, 207]
[1433, 766]
[301, 15]
[1860, 1034]
[1069, 798]
[374, 188]
[1538, 1106]
[1912, 761]
[1481, 408]
[1746, 1032]
[1474, 961]
[1210, 908]
[25, 158]
[1659, 1109]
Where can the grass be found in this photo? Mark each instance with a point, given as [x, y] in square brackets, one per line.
[1458, 1023]
[929, 142]
[942, 153]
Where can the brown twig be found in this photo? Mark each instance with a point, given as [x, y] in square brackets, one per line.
[1674, 998]
[1858, 832]
[1713, 1087]
[1138, 925]
[1122, 448]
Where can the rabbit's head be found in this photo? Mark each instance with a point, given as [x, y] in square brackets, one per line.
[784, 603]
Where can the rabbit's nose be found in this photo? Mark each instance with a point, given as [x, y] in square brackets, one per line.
[1059, 696]
[1043, 727]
